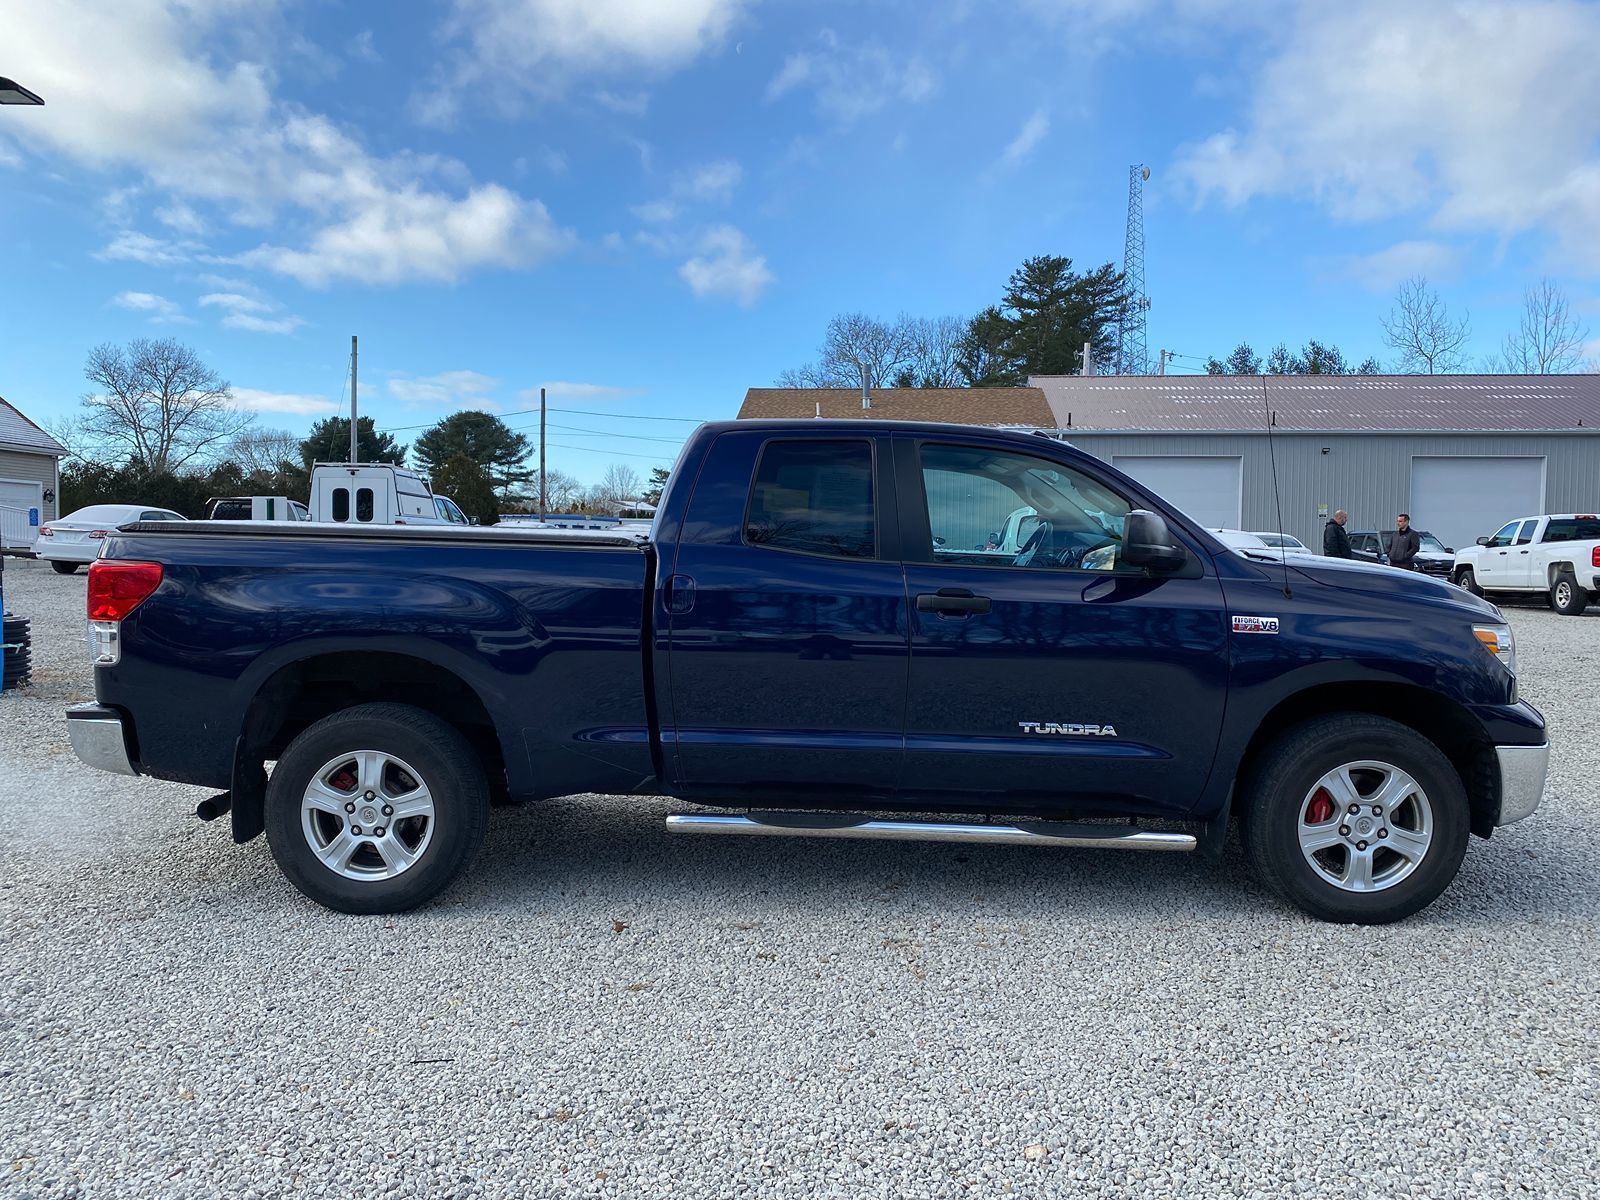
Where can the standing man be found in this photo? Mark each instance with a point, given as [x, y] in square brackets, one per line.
[1335, 541]
[1404, 544]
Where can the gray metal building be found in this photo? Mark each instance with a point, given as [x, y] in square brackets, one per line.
[1462, 454]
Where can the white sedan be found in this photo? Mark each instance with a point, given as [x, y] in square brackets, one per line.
[68, 542]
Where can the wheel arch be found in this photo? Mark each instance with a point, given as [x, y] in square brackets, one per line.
[298, 693]
[1445, 723]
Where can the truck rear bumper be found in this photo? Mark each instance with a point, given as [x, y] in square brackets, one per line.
[98, 738]
[1522, 775]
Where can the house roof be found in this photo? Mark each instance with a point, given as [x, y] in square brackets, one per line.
[19, 433]
[1324, 403]
[1025, 406]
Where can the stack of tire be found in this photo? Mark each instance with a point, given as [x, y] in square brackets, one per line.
[17, 638]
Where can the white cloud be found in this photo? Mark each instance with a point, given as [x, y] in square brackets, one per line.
[1481, 117]
[130, 246]
[297, 404]
[149, 89]
[1386, 269]
[394, 236]
[362, 48]
[159, 308]
[505, 49]
[626, 104]
[1033, 131]
[851, 82]
[727, 266]
[463, 389]
[708, 183]
[561, 389]
[250, 313]
[180, 218]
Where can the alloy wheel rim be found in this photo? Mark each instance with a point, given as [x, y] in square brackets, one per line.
[367, 815]
[1563, 593]
[1365, 826]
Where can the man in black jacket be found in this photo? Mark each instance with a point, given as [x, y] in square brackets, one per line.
[1404, 544]
[1335, 541]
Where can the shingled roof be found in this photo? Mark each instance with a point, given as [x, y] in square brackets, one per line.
[1324, 403]
[1024, 406]
[19, 433]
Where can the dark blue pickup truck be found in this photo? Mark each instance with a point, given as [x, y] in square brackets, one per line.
[830, 619]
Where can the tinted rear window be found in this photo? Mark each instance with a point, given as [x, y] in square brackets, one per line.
[815, 498]
[1572, 530]
[363, 504]
[341, 504]
[231, 510]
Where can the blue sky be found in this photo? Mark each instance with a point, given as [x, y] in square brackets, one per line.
[649, 207]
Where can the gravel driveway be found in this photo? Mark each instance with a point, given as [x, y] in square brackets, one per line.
[602, 1009]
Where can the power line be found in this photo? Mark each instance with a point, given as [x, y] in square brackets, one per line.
[588, 412]
[612, 453]
[639, 437]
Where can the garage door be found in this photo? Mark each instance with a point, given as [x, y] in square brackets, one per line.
[20, 505]
[1459, 499]
[1204, 486]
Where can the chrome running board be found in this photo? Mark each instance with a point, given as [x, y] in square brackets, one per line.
[830, 825]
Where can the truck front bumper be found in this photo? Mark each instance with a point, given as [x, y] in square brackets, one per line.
[99, 739]
[1522, 774]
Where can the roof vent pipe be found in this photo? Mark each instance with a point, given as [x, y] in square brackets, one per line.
[1088, 358]
[866, 389]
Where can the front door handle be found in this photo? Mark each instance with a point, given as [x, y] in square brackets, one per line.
[952, 601]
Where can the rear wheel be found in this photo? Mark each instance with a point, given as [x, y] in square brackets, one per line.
[1465, 578]
[1567, 598]
[376, 809]
[63, 568]
[1355, 818]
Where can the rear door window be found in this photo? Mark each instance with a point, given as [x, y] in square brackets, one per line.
[364, 504]
[1526, 534]
[814, 497]
[341, 504]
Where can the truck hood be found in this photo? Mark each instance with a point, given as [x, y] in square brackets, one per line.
[1374, 578]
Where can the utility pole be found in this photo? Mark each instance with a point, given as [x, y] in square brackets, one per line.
[541, 457]
[353, 422]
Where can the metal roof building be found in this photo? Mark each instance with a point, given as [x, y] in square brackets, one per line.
[30, 478]
[1463, 454]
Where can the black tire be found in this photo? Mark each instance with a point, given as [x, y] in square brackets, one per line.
[63, 568]
[1282, 782]
[436, 752]
[1465, 578]
[1567, 597]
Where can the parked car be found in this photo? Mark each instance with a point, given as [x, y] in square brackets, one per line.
[793, 641]
[1557, 556]
[374, 494]
[256, 508]
[70, 541]
[1282, 541]
[1433, 556]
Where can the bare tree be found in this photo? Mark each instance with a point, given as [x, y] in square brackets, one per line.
[562, 491]
[264, 451]
[857, 351]
[617, 486]
[1421, 329]
[936, 349]
[157, 404]
[1548, 340]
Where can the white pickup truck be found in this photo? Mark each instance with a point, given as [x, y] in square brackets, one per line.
[1558, 556]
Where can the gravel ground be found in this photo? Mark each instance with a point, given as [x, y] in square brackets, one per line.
[600, 1009]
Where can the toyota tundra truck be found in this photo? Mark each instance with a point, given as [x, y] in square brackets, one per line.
[816, 641]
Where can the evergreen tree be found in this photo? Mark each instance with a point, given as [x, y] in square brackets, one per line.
[483, 439]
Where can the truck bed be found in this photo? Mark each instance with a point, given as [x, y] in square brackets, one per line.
[548, 635]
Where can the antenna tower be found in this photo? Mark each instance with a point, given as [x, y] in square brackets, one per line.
[1131, 357]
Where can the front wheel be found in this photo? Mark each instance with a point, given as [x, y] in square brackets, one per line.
[1355, 818]
[63, 568]
[1567, 598]
[376, 809]
[1465, 578]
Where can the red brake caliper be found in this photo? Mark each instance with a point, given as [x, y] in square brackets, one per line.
[1320, 807]
[344, 781]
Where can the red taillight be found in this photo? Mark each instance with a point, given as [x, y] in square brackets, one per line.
[116, 588]
[46, 531]
[99, 535]
[1594, 557]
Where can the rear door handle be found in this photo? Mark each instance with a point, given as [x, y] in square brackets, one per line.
[680, 594]
[952, 601]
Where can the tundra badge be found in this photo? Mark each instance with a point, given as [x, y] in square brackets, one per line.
[1071, 729]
